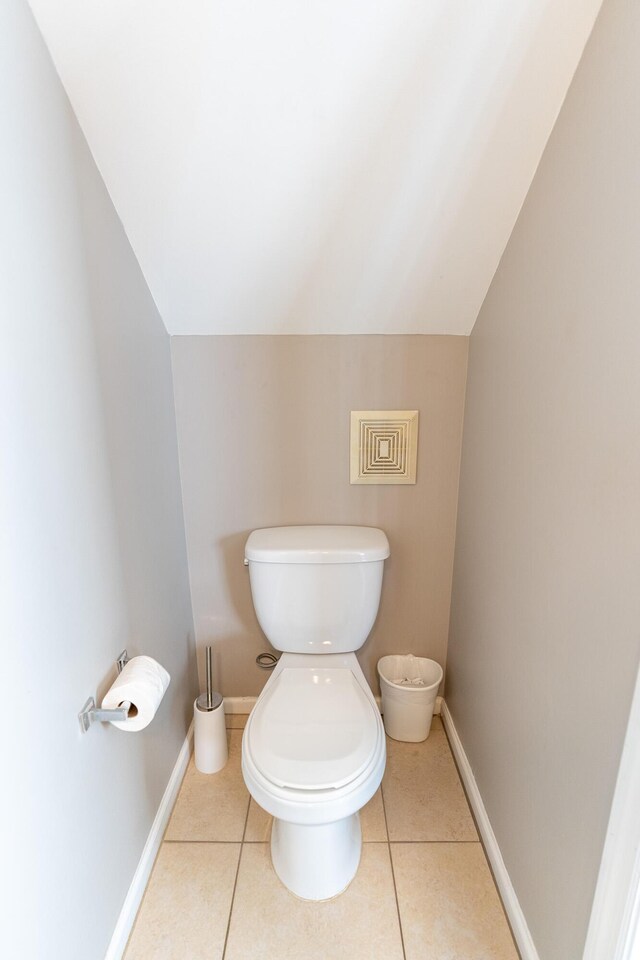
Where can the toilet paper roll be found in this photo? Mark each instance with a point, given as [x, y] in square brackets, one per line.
[143, 682]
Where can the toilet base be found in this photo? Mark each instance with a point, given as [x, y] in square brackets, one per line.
[316, 862]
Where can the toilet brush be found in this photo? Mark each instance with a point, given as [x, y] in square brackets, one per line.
[209, 732]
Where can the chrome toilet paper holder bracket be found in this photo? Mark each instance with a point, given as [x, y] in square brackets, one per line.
[90, 713]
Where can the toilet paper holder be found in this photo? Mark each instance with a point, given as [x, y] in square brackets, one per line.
[90, 713]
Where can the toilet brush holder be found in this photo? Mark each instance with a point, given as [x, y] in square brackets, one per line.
[209, 730]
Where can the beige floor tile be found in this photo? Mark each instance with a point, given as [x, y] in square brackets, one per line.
[212, 806]
[449, 906]
[236, 721]
[185, 910]
[423, 796]
[371, 821]
[269, 923]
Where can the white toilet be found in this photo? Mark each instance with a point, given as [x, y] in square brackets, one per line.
[313, 750]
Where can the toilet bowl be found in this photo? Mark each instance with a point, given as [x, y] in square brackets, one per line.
[313, 754]
[313, 749]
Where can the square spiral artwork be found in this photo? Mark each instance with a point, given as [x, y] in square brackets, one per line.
[384, 446]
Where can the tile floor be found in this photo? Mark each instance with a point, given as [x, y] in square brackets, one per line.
[423, 890]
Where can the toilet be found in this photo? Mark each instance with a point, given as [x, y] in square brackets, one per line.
[313, 749]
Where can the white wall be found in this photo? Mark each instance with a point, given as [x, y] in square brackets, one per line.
[92, 539]
[544, 642]
[317, 167]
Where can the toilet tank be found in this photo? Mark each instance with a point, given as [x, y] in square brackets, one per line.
[316, 589]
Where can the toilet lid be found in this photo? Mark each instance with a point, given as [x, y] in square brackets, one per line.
[313, 729]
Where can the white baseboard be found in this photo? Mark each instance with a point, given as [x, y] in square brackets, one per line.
[133, 899]
[246, 704]
[239, 704]
[614, 927]
[521, 932]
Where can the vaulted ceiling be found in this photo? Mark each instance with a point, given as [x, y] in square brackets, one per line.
[317, 166]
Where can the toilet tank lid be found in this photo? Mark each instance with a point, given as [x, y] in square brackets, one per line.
[317, 544]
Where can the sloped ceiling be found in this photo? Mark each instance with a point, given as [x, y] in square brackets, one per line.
[317, 166]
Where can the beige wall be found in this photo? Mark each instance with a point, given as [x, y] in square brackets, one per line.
[544, 642]
[263, 427]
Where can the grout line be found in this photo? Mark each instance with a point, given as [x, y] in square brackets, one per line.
[203, 841]
[235, 882]
[246, 820]
[423, 842]
[393, 874]
[396, 842]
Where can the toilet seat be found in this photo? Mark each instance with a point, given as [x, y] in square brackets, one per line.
[348, 773]
[314, 729]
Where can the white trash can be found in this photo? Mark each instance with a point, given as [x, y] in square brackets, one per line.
[409, 686]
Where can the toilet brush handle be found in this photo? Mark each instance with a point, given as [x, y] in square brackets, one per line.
[209, 679]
